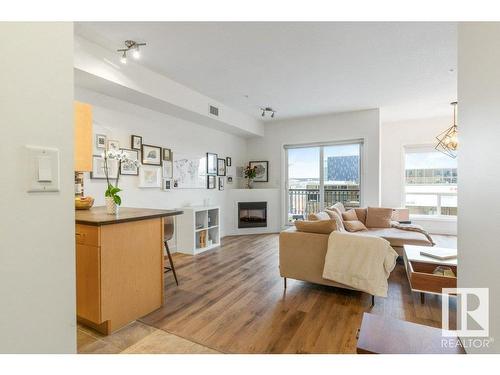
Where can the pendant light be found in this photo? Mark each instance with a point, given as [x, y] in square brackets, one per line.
[448, 140]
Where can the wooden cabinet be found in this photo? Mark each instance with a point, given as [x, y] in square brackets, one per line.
[83, 137]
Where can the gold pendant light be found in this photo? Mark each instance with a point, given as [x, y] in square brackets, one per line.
[448, 140]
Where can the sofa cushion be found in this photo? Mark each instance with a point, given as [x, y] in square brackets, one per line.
[318, 216]
[334, 215]
[378, 217]
[349, 215]
[338, 207]
[354, 225]
[398, 237]
[361, 214]
[316, 226]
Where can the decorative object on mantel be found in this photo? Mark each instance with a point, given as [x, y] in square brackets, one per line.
[262, 170]
[113, 200]
[221, 167]
[151, 155]
[135, 142]
[211, 163]
[448, 140]
[250, 173]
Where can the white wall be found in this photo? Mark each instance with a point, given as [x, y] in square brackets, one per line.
[37, 231]
[329, 128]
[118, 120]
[396, 135]
[479, 161]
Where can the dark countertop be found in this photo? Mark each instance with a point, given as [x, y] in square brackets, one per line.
[99, 216]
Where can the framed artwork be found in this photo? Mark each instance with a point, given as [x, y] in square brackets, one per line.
[135, 142]
[221, 183]
[167, 154]
[211, 181]
[126, 169]
[211, 163]
[149, 177]
[98, 168]
[229, 180]
[262, 170]
[151, 155]
[229, 162]
[167, 184]
[113, 145]
[221, 167]
[100, 141]
[168, 169]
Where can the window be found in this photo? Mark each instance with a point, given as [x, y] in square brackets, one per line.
[430, 182]
[320, 175]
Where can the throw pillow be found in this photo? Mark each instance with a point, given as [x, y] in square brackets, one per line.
[338, 219]
[316, 226]
[338, 207]
[378, 217]
[318, 216]
[354, 226]
[349, 215]
[361, 214]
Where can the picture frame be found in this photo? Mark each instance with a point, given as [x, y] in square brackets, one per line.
[229, 161]
[166, 154]
[151, 155]
[130, 170]
[97, 172]
[262, 170]
[168, 169]
[167, 184]
[136, 142]
[211, 181]
[100, 141]
[113, 145]
[149, 177]
[221, 167]
[221, 183]
[211, 163]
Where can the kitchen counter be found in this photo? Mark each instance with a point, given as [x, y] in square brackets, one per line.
[99, 216]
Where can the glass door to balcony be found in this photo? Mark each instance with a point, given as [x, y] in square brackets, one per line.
[320, 175]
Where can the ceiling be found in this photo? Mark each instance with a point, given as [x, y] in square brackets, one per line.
[301, 69]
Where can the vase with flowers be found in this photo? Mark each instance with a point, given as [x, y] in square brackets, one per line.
[113, 200]
[250, 173]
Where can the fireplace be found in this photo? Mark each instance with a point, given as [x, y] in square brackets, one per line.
[252, 214]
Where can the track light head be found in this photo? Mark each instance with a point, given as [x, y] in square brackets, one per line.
[265, 110]
[272, 114]
[136, 53]
[123, 59]
[263, 113]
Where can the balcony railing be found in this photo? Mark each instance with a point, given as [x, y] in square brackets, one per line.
[302, 202]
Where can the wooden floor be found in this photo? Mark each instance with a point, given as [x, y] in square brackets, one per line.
[232, 300]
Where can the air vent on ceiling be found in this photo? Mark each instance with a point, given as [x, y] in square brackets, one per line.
[214, 111]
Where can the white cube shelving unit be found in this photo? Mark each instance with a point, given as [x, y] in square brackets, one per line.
[194, 224]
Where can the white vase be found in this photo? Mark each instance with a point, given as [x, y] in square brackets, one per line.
[111, 207]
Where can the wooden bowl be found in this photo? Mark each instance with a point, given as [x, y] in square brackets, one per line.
[83, 203]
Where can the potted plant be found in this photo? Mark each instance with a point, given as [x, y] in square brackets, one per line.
[250, 174]
[113, 200]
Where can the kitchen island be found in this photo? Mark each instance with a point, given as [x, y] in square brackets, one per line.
[119, 265]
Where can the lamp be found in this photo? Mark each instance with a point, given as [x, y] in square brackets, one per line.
[448, 140]
[130, 45]
[266, 110]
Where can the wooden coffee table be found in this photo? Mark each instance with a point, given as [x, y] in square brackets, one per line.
[419, 270]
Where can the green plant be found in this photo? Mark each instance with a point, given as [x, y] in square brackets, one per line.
[121, 157]
[250, 172]
[112, 191]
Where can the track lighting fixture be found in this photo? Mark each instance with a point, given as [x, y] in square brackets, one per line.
[133, 46]
[268, 109]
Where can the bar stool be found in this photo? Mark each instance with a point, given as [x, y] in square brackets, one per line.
[168, 233]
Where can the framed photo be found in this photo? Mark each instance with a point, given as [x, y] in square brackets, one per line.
[229, 180]
[135, 142]
[98, 168]
[168, 169]
[151, 155]
[211, 163]
[167, 184]
[113, 145]
[221, 167]
[149, 177]
[167, 154]
[211, 181]
[221, 183]
[100, 141]
[126, 169]
[262, 170]
[229, 162]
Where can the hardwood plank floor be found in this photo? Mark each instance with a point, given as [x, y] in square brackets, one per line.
[232, 300]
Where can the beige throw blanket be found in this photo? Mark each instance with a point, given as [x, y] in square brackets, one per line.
[413, 228]
[360, 262]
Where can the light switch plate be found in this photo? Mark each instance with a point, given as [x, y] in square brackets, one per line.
[42, 169]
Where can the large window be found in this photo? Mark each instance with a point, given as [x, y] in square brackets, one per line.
[430, 182]
[320, 175]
